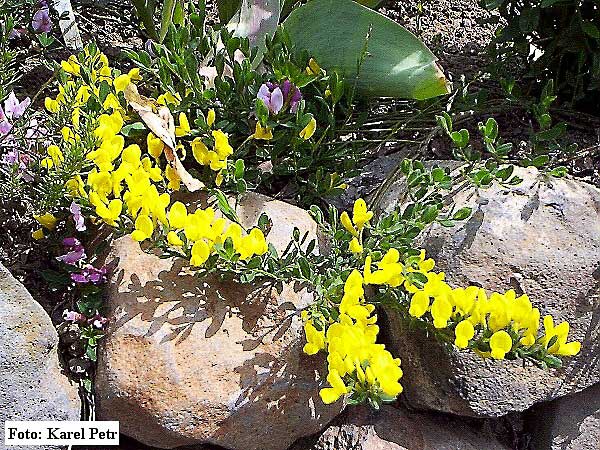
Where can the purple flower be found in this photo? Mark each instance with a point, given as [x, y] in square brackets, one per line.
[72, 257]
[276, 96]
[291, 95]
[13, 109]
[98, 321]
[90, 275]
[14, 157]
[41, 22]
[77, 217]
[75, 251]
[272, 97]
[73, 316]
[71, 242]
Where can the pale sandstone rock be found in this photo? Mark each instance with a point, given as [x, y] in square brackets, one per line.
[542, 238]
[189, 361]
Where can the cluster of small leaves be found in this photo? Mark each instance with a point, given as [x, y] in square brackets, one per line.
[565, 35]
[305, 170]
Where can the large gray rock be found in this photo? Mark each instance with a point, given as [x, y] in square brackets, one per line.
[32, 386]
[362, 428]
[568, 423]
[189, 361]
[542, 238]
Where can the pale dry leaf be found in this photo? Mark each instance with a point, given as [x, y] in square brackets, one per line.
[162, 125]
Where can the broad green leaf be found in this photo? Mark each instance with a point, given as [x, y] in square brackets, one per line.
[370, 3]
[380, 56]
[227, 9]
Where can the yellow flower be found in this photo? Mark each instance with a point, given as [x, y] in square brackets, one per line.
[174, 239]
[265, 133]
[143, 228]
[51, 105]
[355, 246]
[464, 332]
[71, 66]
[177, 215]
[222, 146]
[173, 177]
[313, 68]
[210, 117]
[121, 82]
[219, 178]
[200, 253]
[134, 74]
[111, 213]
[168, 99]
[308, 131]
[253, 244]
[111, 102]
[46, 220]
[55, 157]
[500, 344]
[441, 311]
[419, 304]
[38, 234]
[347, 223]
[360, 215]
[184, 126]
[315, 340]
[337, 389]
[561, 332]
[155, 145]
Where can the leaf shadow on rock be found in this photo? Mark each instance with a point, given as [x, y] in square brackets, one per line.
[251, 334]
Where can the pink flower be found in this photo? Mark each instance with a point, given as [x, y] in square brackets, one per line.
[73, 316]
[272, 97]
[77, 217]
[41, 22]
[13, 109]
[277, 96]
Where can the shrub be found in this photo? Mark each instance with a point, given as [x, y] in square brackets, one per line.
[560, 40]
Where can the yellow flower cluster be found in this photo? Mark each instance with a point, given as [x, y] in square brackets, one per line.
[122, 183]
[494, 325]
[512, 321]
[353, 354]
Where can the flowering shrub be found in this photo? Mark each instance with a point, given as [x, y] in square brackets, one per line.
[285, 123]
[494, 326]
[103, 172]
[122, 185]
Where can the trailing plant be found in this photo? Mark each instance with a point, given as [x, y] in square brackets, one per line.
[104, 174]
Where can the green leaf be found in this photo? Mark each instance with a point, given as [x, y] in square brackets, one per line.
[491, 129]
[462, 213]
[133, 129]
[553, 133]
[227, 9]
[590, 29]
[224, 206]
[337, 33]
[460, 138]
[430, 214]
[370, 3]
